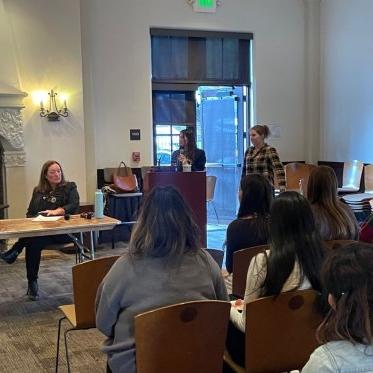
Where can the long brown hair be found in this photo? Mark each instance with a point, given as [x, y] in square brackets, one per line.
[165, 227]
[44, 185]
[334, 219]
[191, 146]
[347, 275]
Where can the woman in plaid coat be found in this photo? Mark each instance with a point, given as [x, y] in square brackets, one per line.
[260, 158]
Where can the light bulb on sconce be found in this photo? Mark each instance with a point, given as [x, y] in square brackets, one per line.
[53, 113]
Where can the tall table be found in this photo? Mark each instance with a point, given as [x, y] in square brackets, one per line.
[18, 228]
[191, 185]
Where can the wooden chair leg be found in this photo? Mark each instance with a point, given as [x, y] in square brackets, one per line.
[58, 342]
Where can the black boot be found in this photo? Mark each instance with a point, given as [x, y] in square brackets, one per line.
[11, 255]
[33, 290]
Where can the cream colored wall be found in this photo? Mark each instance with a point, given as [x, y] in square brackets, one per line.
[46, 41]
[347, 80]
[117, 79]
[50, 38]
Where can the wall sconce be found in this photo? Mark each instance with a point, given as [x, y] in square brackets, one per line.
[53, 113]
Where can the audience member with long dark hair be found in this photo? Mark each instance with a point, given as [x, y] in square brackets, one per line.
[188, 152]
[347, 331]
[251, 226]
[293, 262]
[165, 265]
[334, 219]
[52, 196]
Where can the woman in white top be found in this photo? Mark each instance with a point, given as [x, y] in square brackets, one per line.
[293, 262]
[347, 330]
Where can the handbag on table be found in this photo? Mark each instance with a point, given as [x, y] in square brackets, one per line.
[123, 179]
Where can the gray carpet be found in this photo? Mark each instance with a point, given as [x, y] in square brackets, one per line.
[28, 330]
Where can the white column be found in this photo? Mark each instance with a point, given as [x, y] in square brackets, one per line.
[312, 80]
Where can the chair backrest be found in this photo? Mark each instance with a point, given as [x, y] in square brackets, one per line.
[280, 332]
[368, 178]
[185, 337]
[241, 262]
[294, 172]
[87, 277]
[335, 244]
[210, 187]
[218, 255]
[352, 171]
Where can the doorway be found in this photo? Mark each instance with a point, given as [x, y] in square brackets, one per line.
[221, 126]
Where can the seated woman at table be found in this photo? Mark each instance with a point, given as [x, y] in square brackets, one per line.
[188, 152]
[165, 265]
[251, 226]
[292, 263]
[52, 196]
[334, 219]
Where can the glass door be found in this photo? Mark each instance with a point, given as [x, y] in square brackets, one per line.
[221, 119]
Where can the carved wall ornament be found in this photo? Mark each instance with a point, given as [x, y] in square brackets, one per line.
[14, 158]
[11, 126]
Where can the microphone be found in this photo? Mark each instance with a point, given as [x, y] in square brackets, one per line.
[179, 165]
[159, 161]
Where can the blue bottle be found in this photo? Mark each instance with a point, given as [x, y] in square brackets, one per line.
[99, 204]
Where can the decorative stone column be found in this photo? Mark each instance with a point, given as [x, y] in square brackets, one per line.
[11, 123]
[12, 141]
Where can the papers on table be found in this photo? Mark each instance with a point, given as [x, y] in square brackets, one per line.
[46, 218]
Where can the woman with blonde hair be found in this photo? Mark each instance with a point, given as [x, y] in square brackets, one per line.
[334, 219]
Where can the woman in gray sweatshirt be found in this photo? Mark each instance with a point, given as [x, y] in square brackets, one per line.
[165, 265]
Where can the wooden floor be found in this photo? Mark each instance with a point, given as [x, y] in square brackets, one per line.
[28, 330]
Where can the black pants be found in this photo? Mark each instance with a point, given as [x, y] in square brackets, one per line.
[34, 246]
[235, 344]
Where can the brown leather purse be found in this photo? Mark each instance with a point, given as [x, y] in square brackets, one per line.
[123, 179]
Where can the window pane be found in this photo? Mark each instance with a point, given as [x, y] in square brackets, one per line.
[169, 57]
[163, 144]
[162, 129]
[173, 107]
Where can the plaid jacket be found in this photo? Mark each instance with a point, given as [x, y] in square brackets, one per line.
[266, 162]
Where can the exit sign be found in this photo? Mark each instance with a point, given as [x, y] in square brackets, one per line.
[206, 6]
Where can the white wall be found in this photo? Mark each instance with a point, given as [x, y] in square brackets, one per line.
[117, 81]
[46, 40]
[50, 38]
[347, 80]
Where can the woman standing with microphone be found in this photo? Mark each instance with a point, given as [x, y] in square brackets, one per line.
[260, 158]
[188, 152]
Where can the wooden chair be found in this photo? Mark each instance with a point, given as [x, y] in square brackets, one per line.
[280, 332]
[218, 255]
[241, 262]
[210, 192]
[296, 173]
[87, 277]
[334, 244]
[185, 337]
[351, 176]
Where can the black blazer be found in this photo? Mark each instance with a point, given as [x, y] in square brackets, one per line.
[198, 163]
[65, 196]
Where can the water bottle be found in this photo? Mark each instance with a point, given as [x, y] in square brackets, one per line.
[99, 204]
